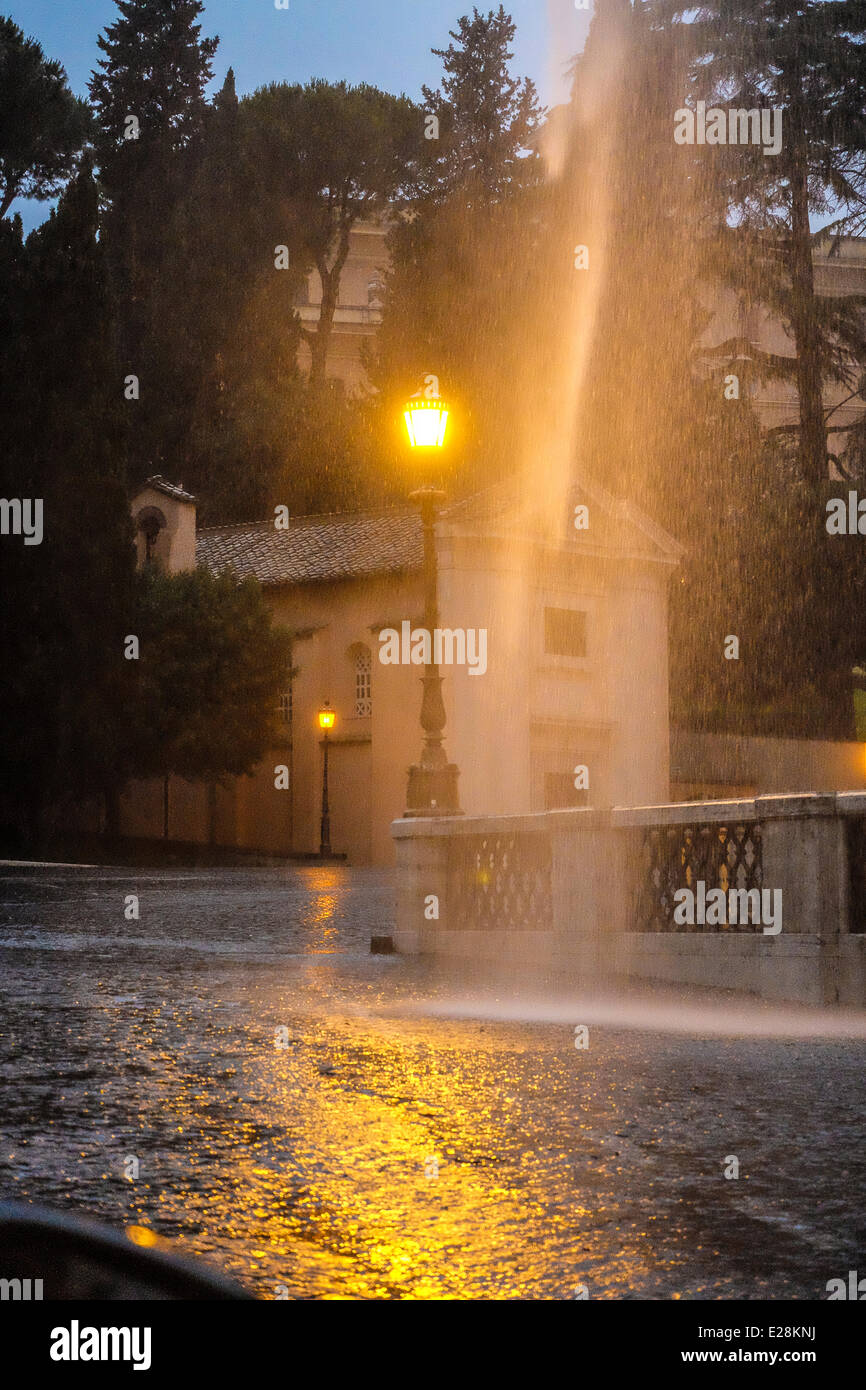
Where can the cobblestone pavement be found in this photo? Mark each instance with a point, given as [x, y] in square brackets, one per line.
[384, 1149]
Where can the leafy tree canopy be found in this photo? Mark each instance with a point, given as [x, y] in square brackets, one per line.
[330, 153]
[205, 687]
[43, 126]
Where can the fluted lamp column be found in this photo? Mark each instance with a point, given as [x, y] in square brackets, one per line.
[326, 718]
[432, 789]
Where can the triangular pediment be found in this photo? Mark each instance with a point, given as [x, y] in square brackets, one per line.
[606, 525]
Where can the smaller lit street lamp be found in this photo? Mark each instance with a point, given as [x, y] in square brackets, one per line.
[432, 787]
[326, 718]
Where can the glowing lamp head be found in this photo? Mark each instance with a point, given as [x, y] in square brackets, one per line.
[426, 422]
[326, 717]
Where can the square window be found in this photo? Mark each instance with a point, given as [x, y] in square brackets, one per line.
[560, 793]
[565, 632]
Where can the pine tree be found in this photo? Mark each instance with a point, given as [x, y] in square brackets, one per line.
[225, 103]
[336, 154]
[650, 418]
[42, 125]
[805, 59]
[221, 342]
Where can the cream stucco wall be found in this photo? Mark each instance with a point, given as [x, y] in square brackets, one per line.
[530, 716]
[534, 713]
[369, 755]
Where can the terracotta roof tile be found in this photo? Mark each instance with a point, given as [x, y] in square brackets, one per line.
[316, 548]
[348, 545]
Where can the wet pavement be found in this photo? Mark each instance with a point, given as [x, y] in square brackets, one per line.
[297, 1116]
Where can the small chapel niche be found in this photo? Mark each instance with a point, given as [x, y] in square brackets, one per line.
[164, 519]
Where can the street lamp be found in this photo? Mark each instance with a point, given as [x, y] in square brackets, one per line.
[326, 718]
[426, 422]
[432, 787]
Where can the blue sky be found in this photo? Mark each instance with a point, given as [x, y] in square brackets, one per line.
[385, 42]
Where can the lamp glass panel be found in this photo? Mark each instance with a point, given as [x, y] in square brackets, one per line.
[426, 426]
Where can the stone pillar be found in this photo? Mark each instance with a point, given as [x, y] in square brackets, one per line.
[422, 861]
[804, 855]
[590, 889]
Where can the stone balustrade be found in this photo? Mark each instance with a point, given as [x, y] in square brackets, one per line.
[579, 892]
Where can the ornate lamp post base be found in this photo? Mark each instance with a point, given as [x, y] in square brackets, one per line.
[325, 835]
[432, 791]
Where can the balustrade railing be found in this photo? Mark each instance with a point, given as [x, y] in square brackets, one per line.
[855, 843]
[725, 856]
[500, 881]
[580, 888]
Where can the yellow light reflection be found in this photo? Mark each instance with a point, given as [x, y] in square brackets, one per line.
[383, 1158]
[140, 1235]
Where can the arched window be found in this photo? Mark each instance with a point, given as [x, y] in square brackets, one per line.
[363, 660]
[150, 522]
[285, 704]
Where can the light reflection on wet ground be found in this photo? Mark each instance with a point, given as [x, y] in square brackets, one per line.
[387, 1153]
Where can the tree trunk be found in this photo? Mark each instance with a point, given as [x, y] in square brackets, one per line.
[330, 278]
[813, 431]
[320, 340]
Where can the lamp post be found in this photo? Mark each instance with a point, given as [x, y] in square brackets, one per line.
[432, 789]
[326, 718]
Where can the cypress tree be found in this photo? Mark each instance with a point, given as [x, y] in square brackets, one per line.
[487, 117]
[155, 70]
[67, 600]
[149, 96]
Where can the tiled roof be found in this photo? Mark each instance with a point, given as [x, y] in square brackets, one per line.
[161, 484]
[315, 548]
[348, 545]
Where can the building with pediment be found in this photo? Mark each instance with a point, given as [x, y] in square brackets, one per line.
[576, 671]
